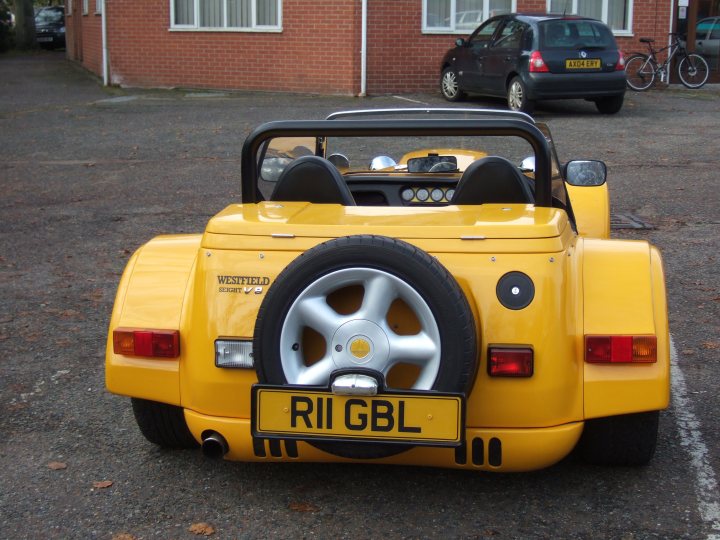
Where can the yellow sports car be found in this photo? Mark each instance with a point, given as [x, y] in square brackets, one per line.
[420, 287]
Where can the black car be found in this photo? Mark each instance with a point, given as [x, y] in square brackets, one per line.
[50, 27]
[532, 57]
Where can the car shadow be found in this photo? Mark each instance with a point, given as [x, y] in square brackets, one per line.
[558, 108]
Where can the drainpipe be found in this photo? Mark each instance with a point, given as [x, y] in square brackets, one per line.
[672, 27]
[363, 51]
[104, 45]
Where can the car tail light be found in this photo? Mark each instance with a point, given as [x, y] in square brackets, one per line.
[510, 362]
[620, 349]
[620, 66]
[148, 343]
[537, 64]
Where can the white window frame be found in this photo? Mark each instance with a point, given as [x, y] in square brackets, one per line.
[69, 8]
[86, 7]
[98, 7]
[627, 32]
[453, 9]
[197, 28]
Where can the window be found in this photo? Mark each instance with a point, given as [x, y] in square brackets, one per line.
[511, 35]
[98, 6]
[85, 6]
[263, 15]
[617, 14]
[69, 7]
[461, 16]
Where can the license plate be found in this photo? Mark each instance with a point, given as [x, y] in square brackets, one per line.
[582, 63]
[420, 419]
[44, 39]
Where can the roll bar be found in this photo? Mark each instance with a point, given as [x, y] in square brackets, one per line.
[495, 127]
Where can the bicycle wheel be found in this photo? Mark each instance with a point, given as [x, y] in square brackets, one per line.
[640, 72]
[693, 71]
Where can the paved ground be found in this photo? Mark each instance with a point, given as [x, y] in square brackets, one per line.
[88, 174]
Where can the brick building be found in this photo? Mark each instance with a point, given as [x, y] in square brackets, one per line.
[317, 46]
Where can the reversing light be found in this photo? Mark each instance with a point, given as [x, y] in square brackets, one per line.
[148, 343]
[620, 66]
[620, 349]
[537, 64]
[510, 362]
[233, 354]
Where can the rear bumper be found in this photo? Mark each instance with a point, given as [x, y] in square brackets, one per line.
[575, 85]
[496, 450]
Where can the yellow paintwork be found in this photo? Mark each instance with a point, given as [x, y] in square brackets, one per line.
[582, 286]
[591, 206]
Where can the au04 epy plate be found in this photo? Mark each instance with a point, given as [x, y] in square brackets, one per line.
[416, 418]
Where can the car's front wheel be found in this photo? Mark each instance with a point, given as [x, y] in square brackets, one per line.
[610, 105]
[450, 85]
[517, 97]
[628, 439]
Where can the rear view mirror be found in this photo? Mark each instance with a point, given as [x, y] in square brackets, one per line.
[585, 173]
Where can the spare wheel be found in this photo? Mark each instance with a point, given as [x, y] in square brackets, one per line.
[403, 303]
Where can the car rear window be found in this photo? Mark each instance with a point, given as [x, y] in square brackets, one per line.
[575, 34]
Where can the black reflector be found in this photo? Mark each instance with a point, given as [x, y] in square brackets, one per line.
[515, 290]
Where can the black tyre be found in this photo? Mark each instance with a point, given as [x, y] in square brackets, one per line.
[693, 71]
[163, 424]
[517, 97]
[409, 308]
[640, 72]
[610, 105]
[620, 440]
[450, 85]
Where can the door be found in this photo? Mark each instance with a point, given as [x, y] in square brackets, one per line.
[502, 56]
[471, 57]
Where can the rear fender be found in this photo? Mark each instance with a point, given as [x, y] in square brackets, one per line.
[624, 294]
[151, 295]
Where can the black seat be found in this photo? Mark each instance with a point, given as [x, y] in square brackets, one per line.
[312, 179]
[492, 179]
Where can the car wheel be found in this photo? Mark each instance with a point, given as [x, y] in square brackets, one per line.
[402, 301]
[610, 105]
[620, 440]
[517, 98]
[450, 85]
[163, 424]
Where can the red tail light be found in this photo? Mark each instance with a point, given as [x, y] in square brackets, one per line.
[510, 362]
[537, 64]
[620, 66]
[620, 349]
[148, 343]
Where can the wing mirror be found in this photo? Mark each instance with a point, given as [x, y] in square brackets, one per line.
[585, 172]
[460, 42]
[528, 164]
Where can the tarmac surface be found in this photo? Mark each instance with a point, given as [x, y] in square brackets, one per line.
[88, 174]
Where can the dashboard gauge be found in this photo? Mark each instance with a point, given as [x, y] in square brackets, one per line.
[407, 194]
[450, 194]
[437, 195]
[422, 194]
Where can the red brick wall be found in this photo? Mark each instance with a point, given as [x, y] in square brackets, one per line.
[318, 50]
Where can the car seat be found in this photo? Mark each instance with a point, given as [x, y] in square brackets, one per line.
[492, 179]
[312, 179]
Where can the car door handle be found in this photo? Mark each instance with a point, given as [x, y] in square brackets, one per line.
[508, 58]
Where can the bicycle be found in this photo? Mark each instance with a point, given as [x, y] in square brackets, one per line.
[641, 69]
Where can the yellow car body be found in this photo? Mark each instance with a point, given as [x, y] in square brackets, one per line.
[211, 286]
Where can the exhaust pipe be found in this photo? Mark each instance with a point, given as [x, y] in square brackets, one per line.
[214, 446]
